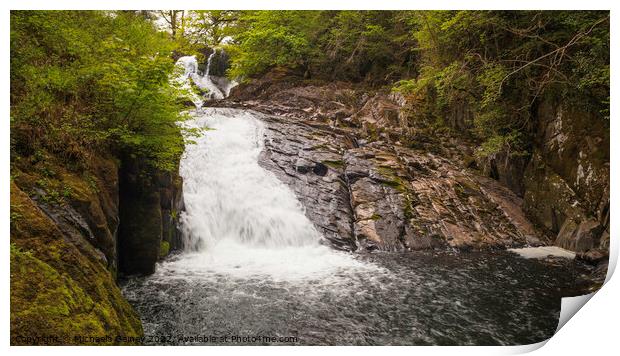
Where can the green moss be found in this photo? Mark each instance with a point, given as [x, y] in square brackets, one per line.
[91, 181]
[16, 217]
[392, 179]
[408, 209]
[398, 183]
[333, 164]
[375, 217]
[372, 132]
[58, 290]
[164, 249]
[40, 295]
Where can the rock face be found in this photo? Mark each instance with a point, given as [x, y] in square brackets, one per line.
[367, 190]
[309, 159]
[64, 253]
[370, 178]
[150, 205]
[567, 180]
[73, 229]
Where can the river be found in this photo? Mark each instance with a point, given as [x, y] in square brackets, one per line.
[255, 270]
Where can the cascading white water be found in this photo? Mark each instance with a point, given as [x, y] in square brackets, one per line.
[189, 66]
[204, 82]
[240, 219]
[216, 87]
[230, 197]
[209, 62]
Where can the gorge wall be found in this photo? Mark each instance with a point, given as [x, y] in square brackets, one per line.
[74, 229]
[565, 181]
[371, 178]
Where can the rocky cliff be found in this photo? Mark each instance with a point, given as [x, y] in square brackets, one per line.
[565, 180]
[372, 178]
[344, 153]
[74, 228]
[149, 209]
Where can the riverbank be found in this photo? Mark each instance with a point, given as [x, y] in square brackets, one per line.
[74, 230]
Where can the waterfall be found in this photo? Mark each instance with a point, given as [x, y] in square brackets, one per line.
[214, 87]
[229, 196]
[189, 65]
[239, 218]
[209, 62]
[204, 82]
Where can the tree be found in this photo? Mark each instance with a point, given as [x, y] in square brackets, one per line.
[499, 64]
[374, 46]
[175, 19]
[83, 81]
[209, 27]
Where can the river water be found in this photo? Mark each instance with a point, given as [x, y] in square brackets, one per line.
[254, 270]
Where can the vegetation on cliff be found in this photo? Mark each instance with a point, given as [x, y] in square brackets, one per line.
[82, 81]
[496, 66]
[89, 89]
[482, 72]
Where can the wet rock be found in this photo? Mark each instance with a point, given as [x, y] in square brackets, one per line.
[308, 159]
[140, 232]
[505, 168]
[594, 256]
[580, 236]
[575, 144]
[150, 203]
[364, 188]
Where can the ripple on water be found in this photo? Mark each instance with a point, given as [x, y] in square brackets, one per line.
[414, 298]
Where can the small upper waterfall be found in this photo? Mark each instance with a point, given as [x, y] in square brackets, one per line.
[189, 65]
[209, 62]
[211, 87]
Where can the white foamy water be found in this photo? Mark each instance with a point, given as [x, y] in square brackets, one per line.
[216, 87]
[543, 252]
[240, 220]
[190, 67]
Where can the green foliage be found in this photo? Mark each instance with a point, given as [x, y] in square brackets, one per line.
[210, 27]
[15, 218]
[346, 45]
[501, 64]
[511, 143]
[82, 81]
[265, 39]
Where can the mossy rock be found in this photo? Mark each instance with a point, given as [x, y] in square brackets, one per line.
[56, 290]
[392, 179]
[334, 164]
[164, 249]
